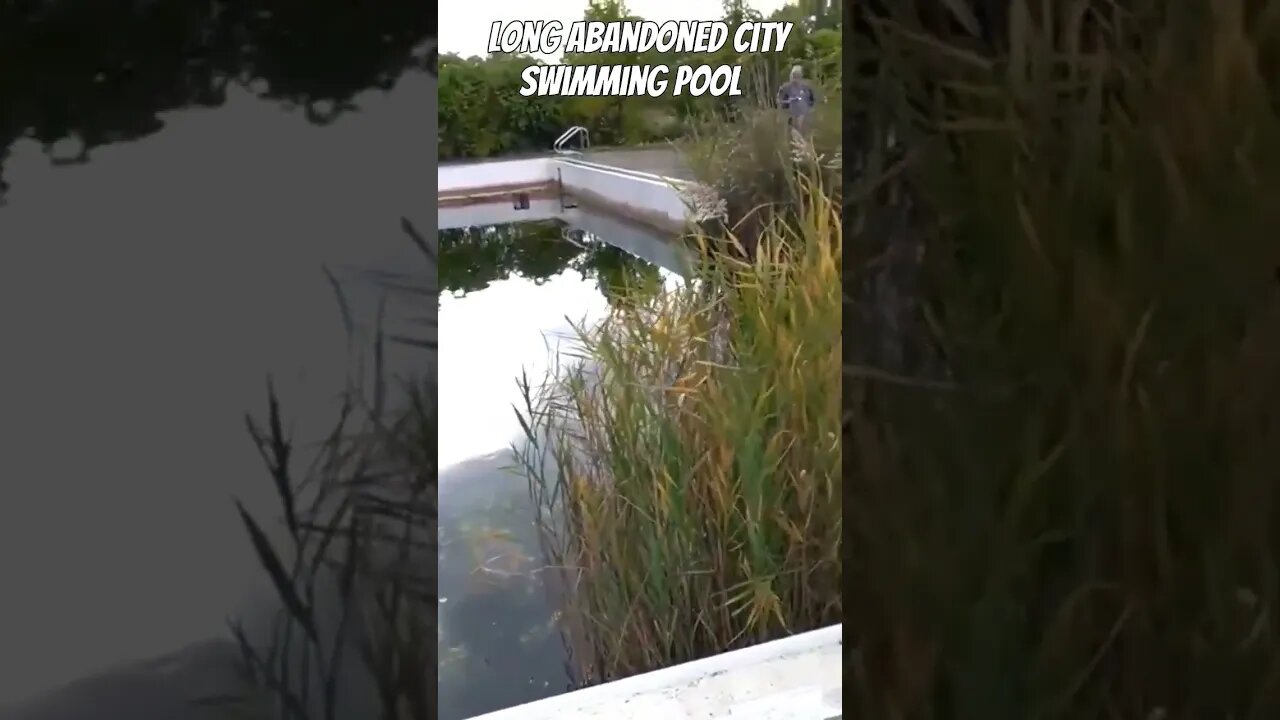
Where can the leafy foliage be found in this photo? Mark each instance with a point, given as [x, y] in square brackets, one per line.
[482, 113]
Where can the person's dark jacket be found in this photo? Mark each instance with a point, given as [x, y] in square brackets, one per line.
[797, 97]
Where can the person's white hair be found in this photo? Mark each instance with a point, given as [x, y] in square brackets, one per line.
[797, 72]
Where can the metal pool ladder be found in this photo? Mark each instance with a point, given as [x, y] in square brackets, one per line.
[562, 142]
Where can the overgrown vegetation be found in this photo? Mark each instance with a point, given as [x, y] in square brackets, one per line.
[355, 571]
[750, 159]
[1063, 369]
[482, 113]
[686, 470]
[695, 499]
[684, 463]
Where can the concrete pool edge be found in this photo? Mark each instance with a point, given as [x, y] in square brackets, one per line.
[657, 200]
[798, 677]
[494, 193]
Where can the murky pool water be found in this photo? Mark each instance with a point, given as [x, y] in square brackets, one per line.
[511, 295]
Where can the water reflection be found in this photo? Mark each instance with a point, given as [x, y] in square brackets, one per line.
[177, 176]
[514, 292]
[76, 75]
[473, 258]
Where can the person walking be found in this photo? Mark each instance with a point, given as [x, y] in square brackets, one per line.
[797, 98]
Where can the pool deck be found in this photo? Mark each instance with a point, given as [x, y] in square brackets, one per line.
[795, 678]
[659, 161]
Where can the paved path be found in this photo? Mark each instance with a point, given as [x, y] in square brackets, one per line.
[656, 160]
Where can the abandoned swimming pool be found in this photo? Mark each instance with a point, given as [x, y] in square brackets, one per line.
[525, 238]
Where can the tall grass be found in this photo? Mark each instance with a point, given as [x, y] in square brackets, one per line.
[1078, 515]
[355, 568]
[687, 470]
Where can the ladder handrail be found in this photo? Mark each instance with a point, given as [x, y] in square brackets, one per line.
[567, 135]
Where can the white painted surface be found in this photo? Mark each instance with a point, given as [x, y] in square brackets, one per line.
[648, 193]
[655, 197]
[796, 678]
[457, 178]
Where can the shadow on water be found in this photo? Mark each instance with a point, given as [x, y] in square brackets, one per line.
[174, 176]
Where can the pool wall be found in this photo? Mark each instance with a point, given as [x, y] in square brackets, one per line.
[498, 211]
[472, 176]
[653, 200]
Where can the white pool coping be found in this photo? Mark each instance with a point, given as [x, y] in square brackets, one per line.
[795, 678]
[639, 195]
